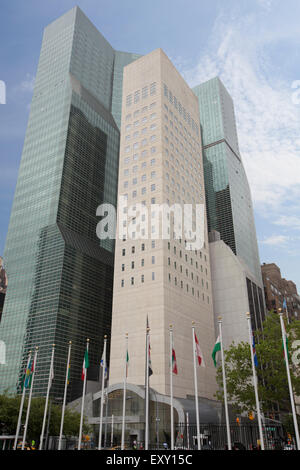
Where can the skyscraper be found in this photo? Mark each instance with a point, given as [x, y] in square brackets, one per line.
[229, 203]
[160, 163]
[229, 212]
[60, 274]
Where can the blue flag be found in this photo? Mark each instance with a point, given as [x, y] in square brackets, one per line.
[284, 303]
[254, 353]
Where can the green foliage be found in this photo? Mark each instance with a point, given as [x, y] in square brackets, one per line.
[9, 411]
[271, 370]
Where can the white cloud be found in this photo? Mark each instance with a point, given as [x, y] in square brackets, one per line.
[288, 221]
[25, 86]
[268, 120]
[275, 240]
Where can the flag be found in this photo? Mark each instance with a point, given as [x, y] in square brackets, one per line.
[199, 353]
[284, 305]
[286, 345]
[254, 351]
[150, 371]
[103, 364]
[68, 378]
[174, 363]
[127, 362]
[85, 364]
[51, 374]
[28, 374]
[217, 347]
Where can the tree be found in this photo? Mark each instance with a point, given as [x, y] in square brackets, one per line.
[271, 371]
[9, 411]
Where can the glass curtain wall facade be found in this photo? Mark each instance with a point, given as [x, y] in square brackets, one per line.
[228, 196]
[60, 274]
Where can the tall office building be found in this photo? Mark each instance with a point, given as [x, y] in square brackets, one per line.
[60, 274]
[229, 212]
[160, 163]
[229, 203]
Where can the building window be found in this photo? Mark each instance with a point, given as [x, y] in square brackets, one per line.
[123, 252]
[142, 278]
[143, 247]
[137, 96]
[153, 259]
[128, 100]
[153, 276]
[153, 88]
[123, 267]
[122, 283]
[132, 281]
[145, 92]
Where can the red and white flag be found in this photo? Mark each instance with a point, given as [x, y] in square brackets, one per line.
[174, 362]
[199, 354]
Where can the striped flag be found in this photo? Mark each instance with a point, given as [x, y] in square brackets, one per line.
[85, 364]
[199, 353]
[127, 362]
[217, 347]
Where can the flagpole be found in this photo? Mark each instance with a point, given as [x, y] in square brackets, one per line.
[112, 431]
[124, 393]
[21, 404]
[29, 399]
[147, 392]
[83, 397]
[255, 383]
[289, 379]
[171, 388]
[188, 430]
[224, 385]
[102, 393]
[47, 397]
[196, 389]
[65, 398]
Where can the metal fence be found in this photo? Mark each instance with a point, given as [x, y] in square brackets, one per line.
[212, 437]
[243, 436]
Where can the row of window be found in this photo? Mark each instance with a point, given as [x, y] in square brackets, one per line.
[181, 109]
[136, 156]
[136, 96]
[132, 279]
[188, 288]
[136, 114]
[143, 178]
[135, 168]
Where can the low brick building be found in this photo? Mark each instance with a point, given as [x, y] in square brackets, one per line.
[277, 289]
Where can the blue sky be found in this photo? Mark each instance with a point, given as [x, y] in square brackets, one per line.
[253, 45]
